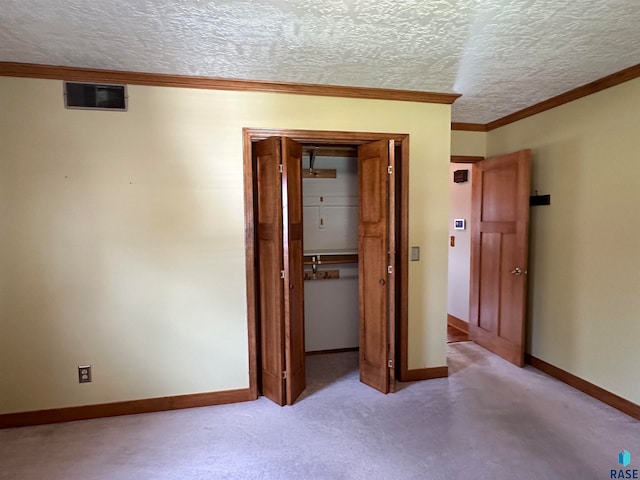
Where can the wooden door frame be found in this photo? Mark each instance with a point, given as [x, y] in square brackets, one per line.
[251, 135]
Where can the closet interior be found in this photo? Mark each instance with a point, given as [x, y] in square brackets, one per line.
[330, 246]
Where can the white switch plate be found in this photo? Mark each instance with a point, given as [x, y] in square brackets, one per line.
[415, 254]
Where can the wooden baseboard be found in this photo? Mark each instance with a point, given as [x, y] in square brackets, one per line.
[455, 322]
[85, 412]
[630, 408]
[424, 374]
[334, 350]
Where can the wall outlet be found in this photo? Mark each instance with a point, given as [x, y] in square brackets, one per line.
[84, 373]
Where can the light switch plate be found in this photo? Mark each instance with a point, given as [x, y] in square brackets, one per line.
[415, 254]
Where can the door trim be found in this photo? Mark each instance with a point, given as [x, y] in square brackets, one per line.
[250, 135]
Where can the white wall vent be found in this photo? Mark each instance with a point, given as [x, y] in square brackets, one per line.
[93, 96]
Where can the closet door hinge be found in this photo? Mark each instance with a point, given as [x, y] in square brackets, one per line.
[390, 170]
[389, 269]
[284, 375]
[390, 364]
[280, 168]
[282, 274]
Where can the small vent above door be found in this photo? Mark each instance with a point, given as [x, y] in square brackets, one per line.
[92, 96]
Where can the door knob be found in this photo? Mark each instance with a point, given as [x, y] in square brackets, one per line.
[382, 282]
[516, 271]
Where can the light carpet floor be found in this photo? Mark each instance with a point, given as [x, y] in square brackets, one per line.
[487, 420]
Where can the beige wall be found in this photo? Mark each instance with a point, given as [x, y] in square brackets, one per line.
[584, 269]
[470, 144]
[473, 144]
[460, 254]
[122, 239]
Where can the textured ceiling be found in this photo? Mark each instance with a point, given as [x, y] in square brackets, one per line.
[501, 55]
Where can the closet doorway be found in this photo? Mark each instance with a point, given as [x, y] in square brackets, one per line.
[275, 257]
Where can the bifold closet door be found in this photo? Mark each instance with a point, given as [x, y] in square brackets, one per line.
[376, 255]
[278, 162]
[293, 269]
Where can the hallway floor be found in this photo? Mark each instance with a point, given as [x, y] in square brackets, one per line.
[487, 420]
[455, 335]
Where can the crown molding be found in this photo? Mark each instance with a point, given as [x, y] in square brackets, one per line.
[468, 127]
[604, 83]
[27, 70]
[590, 88]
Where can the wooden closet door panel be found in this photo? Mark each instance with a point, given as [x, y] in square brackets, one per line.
[293, 269]
[267, 157]
[391, 291]
[373, 251]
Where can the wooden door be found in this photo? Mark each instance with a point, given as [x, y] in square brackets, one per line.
[267, 157]
[279, 217]
[499, 254]
[293, 269]
[375, 263]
